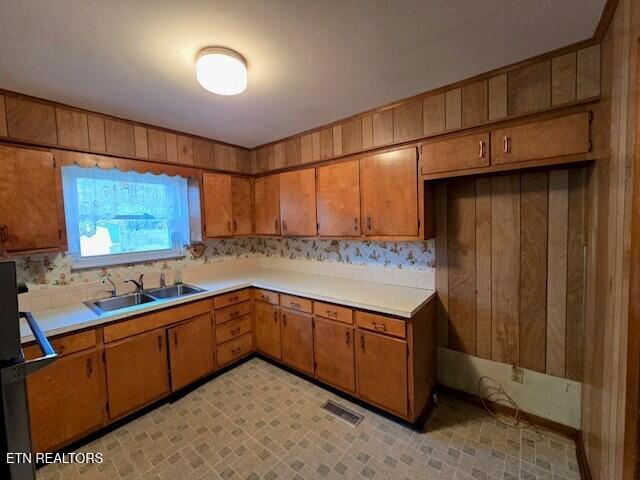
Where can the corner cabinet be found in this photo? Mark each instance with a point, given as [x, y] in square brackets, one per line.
[227, 205]
[389, 194]
[31, 209]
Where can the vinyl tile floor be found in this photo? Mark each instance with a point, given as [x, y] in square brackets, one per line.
[259, 421]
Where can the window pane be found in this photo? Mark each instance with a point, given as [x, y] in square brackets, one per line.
[112, 212]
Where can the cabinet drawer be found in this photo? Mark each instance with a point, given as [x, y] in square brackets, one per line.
[380, 324]
[333, 312]
[231, 298]
[296, 303]
[234, 349]
[266, 296]
[568, 135]
[471, 151]
[233, 329]
[231, 313]
[157, 319]
[66, 345]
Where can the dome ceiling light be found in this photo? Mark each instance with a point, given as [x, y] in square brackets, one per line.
[221, 71]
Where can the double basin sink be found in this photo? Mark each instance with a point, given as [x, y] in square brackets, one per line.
[147, 296]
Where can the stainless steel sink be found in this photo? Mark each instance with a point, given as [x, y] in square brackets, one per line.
[117, 303]
[173, 291]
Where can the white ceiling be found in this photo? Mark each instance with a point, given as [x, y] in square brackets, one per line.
[310, 61]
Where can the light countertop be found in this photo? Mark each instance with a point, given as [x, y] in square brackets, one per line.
[387, 299]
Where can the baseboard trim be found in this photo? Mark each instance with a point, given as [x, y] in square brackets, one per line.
[583, 462]
[556, 427]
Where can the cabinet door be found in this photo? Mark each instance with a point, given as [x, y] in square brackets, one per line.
[241, 205]
[382, 371]
[267, 205]
[66, 401]
[334, 354]
[268, 330]
[539, 140]
[298, 203]
[217, 204]
[338, 198]
[297, 340]
[470, 151]
[137, 372]
[28, 200]
[190, 351]
[389, 186]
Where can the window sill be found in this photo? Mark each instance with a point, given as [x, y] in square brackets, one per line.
[81, 263]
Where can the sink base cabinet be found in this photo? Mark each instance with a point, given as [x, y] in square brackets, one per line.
[137, 372]
[190, 351]
[66, 400]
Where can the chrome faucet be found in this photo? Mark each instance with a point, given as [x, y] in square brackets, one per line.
[139, 283]
[163, 280]
[113, 290]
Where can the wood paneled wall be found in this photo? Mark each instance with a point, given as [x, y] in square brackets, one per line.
[608, 433]
[510, 253]
[36, 122]
[566, 78]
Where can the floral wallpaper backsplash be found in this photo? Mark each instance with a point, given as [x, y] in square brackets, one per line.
[56, 269]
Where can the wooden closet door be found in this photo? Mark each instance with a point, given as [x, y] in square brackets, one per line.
[389, 186]
[268, 339]
[66, 400]
[218, 214]
[267, 205]
[241, 205]
[298, 203]
[297, 340]
[382, 371]
[190, 351]
[334, 354]
[338, 197]
[28, 200]
[137, 372]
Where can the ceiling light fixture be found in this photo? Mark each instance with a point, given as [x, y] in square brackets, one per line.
[221, 71]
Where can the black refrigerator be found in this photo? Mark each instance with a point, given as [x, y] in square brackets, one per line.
[15, 434]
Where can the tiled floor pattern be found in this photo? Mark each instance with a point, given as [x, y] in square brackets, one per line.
[258, 421]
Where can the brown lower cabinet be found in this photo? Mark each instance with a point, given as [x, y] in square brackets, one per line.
[190, 351]
[382, 371]
[137, 372]
[334, 354]
[112, 371]
[267, 320]
[297, 340]
[66, 400]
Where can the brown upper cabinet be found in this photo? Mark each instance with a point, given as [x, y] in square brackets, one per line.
[266, 205]
[298, 203]
[389, 193]
[469, 151]
[241, 205]
[31, 219]
[227, 205]
[338, 197]
[557, 137]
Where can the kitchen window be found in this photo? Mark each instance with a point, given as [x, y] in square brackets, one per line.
[116, 217]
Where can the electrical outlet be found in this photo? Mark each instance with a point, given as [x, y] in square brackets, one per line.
[517, 375]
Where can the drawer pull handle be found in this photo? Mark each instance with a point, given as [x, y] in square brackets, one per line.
[275, 316]
[347, 337]
[506, 144]
[235, 226]
[175, 339]
[284, 225]
[264, 298]
[355, 224]
[235, 331]
[368, 223]
[236, 351]
[332, 314]
[275, 224]
[362, 342]
[89, 367]
[4, 234]
[234, 314]
[481, 154]
[235, 298]
[159, 343]
[284, 320]
[381, 327]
